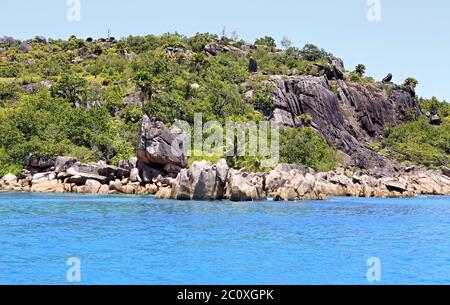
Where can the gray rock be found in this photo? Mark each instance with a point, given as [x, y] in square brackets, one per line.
[387, 79]
[24, 47]
[222, 170]
[148, 173]
[107, 171]
[128, 164]
[435, 120]
[40, 162]
[80, 173]
[8, 179]
[181, 189]
[396, 185]
[203, 180]
[92, 186]
[40, 39]
[212, 49]
[43, 177]
[160, 147]
[336, 61]
[245, 187]
[64, 163]
[8, 40]
[134, 175]
[346, 118]
[252, 65]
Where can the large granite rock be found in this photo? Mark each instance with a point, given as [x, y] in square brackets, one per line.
[48, 187]
[243, 186]
[80, 173]
[43, 177]
[202, 181]
[160, 148]
[64, 163]
[92, 186]
[8, 179]
[348, 115]
[40, 162]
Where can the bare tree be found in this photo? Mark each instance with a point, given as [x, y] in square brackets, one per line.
[286, 42]
[234, 36]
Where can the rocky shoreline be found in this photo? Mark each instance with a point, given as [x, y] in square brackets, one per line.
[161, 169]
[206, 181]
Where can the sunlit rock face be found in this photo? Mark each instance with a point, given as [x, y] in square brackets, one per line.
[348, 115]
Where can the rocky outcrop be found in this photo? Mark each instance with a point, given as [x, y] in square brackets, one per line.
[40, 163]
[206, 181]
[62, 164]
[69, 176]
[293, 183]
[202, 181]
[243, 186]
[160, 150]
[348, 115]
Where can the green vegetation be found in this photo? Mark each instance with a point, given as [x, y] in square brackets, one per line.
[411, 81]
[357, 76]
[305, 147]
[418, 141]
[433, 105]
[360, 69]
[85, 99]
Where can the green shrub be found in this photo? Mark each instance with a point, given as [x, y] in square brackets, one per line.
[419, 142]
[307, 148]
[8, 91]
[411, 81]
[70, 87]
[10, 69]
[433, 105]
[266, 41]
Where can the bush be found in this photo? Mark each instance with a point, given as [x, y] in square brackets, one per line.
[70, 87]
[360, 69]
[307, 148]
[411, 81]
[311, 52]
[10, 69]
[266, 41]
[433, 105]
[419, 142]
[8, 91]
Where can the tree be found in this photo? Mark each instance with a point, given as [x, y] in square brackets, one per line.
[286, 43]
[311, 52]
[199, 62]
[360, 69]
[266, 41]
[307, 148]
[148, 85]
[411, 81]
[70, 87]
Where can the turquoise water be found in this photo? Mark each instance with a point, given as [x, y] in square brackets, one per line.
[139, 240]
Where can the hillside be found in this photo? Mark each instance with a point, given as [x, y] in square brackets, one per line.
[86, 98]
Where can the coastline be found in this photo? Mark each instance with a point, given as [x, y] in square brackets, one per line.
[206, 181]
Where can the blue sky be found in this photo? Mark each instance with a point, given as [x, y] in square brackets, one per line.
[412, 38]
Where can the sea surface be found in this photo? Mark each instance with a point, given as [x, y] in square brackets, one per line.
[140, 240]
